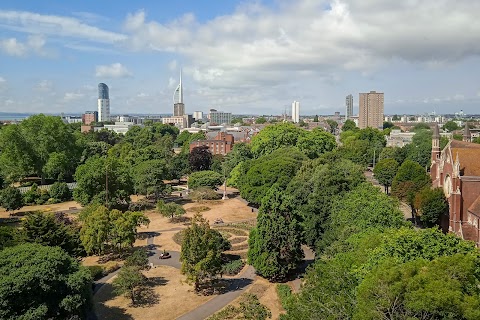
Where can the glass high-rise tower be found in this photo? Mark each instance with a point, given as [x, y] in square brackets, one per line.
[103, 103]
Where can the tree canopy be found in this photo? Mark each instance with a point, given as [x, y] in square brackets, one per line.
[385, 170]
[208, 178]
[41, 282]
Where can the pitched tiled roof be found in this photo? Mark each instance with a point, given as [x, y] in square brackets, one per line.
[475, 207]
[469, 156]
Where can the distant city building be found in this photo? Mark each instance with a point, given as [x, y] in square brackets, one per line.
[118, 127]
[370, 113]
[336, 115]
[296, 112]
[348, 107]
[198, 115]
[89, 116]
[181, 122]
[221, 144]
[103, 103]
[178, 105]
[71, 119]
[219, 117]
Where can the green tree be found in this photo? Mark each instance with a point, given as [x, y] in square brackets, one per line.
[445, 288]
[129, 282]
[38, 138]
[316, 142]
[95, 230]
[349, 125]
[410, 179]
[8, 237]
[250, 308]
[260, 120]
[240, 152]
[139, 258]
[11, 199]
[201, 253]
[421, 126]
[41, 282]
[333, 125]
[123, 228]
[208, 178]
[274, 137]
[60, 191]
[170, 209]
[275, 243]
[200, 158]
[315, 119]
[430, 205]
[237, 120]
[148, 177]
[45, 229]
[450, 126]
[385, 170]
[217, 164]
[387, 125]
[93, 176]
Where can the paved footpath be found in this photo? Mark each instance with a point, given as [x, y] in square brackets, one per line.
[236, 288]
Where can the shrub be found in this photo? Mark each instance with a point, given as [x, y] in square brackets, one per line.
[140, 205]
[60, 191]
[110, 267]
[203, 193]
[96, 271]
[233, 267]
[284, 294]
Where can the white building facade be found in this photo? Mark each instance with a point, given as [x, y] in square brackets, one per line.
[296, 111]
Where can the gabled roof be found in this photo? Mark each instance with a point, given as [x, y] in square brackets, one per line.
[475, 207]
[468, 155]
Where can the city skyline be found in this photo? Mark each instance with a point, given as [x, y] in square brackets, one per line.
[242, 57]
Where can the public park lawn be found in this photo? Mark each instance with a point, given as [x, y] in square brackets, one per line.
[169, 298]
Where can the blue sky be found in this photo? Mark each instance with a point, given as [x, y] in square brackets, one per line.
[239, 56]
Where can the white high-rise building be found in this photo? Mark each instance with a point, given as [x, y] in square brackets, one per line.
[178, 105]
[348, 107]
[198, 115]
[103, 103]
[296, 112]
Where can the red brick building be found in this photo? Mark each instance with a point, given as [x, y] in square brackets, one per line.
[456, 169]
[89, 117]
[221, 144]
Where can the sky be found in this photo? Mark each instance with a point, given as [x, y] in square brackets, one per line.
[244, 57]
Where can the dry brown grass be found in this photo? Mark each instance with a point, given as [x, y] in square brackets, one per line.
[174, 298]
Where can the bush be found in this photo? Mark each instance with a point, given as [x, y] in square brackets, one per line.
[284, 294]
[208, 178]
[60, 191]
[140, 205]
[96, 271]
[233, 267]
[203, 193]
[110, 267]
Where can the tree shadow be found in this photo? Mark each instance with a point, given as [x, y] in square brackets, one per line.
[147, 296]
[102, 311]
[222, 286]
[147, 234]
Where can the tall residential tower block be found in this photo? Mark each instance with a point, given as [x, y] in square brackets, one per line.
[370, 110]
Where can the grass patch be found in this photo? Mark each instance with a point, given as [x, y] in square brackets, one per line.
[238, 240]
[198, 209]
[284, 294]
[178, 237]
[234, 231]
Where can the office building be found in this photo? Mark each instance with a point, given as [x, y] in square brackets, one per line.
[296, 112]
[370, 110]
[178, 105]
[103, 103]
[197, 115]
[219, 117]
[348, 107]
[89, 116]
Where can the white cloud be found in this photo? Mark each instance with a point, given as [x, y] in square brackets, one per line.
[115, 70]
[142, 95]
[72, 96]
[44, 86]
[33, 45]
[257, 45]
[3, 81]
[58, 26]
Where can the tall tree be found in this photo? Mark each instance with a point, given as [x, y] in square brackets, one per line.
[170, 210]
[148, 177]
[333, 125]
[129, 282]
[349, 125]
[385, 170]
[275, 243]
[41, 282]
[200, 158]
[431, 204]
[210, 179]
[316, 142]
[94, 176]
[410, 179]
[451, 126]
[201, 252]
[274, 137]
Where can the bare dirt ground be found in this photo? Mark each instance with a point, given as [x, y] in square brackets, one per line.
[64, 206]
[169, 298]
